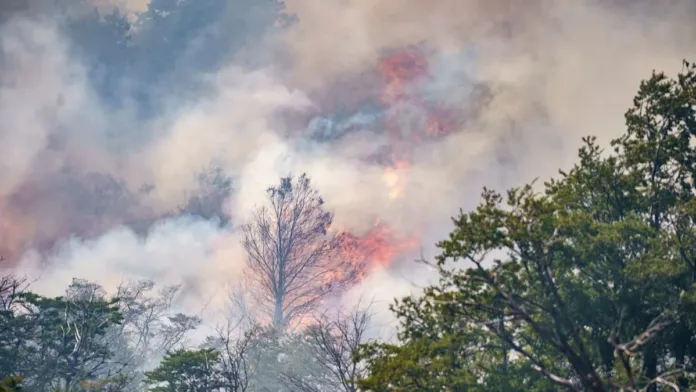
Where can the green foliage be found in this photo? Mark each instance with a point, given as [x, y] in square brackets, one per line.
[56, 343]
[588, 285]
[187, 371]
[86, 340]
[11, 384]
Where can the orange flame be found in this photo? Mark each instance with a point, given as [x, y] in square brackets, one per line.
[407, 69]
[402, 72]
[379, 247]
[395, 178]
[401, 69]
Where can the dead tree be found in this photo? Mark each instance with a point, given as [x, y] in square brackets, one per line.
[238, 355]
[293, 260]
[332, 342]
[10, 287]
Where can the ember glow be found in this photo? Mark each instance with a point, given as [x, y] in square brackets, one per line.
[405, 72]
[395, 178]
[401, 70]
[378, 248]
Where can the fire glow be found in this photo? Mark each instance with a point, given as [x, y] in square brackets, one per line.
[378, 248]
[404, 72]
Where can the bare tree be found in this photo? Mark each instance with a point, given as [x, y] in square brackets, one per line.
[332, 342]
[293, 260]
[240, 305]
[148, 330]
[238, 355]
[10, 287]
[149, 324]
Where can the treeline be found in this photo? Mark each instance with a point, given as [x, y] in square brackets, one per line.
[64, 343]
[89, 341]
[584, 283]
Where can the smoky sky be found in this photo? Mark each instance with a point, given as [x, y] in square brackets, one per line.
[137, 134]
[133, 67]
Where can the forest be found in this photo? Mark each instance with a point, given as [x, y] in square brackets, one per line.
[586, 282]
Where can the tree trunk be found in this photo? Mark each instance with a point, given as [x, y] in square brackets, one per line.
[278, 311]
[680, 346]
[650, 366]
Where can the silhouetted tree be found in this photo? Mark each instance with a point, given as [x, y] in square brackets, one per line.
[332, 342]
[292, 257]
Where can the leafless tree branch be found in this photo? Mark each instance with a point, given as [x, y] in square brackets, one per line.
[292, 257]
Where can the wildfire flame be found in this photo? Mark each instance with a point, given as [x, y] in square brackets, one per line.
[403, 72]
[401, 69]
[395, 178]
[378, 248]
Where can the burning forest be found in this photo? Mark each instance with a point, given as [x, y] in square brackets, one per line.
[220, 173]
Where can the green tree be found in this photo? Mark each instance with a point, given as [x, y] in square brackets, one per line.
[57, 343]
[588, 285]
[68, 346]
[12, 335]
[86, 340]
[11, 384]
[187, 371]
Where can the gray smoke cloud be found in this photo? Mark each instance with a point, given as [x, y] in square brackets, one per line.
[106, 172]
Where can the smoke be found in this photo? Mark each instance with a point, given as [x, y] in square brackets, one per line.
[148, 177]
[125, 7]
[195, 246]
[41, 87]
[228, 130]
[556, 70]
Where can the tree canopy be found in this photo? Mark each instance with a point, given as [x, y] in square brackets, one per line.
[587, 283]
[186, 371]
[85, 339]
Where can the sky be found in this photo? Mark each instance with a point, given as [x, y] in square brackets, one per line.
[138, 135]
